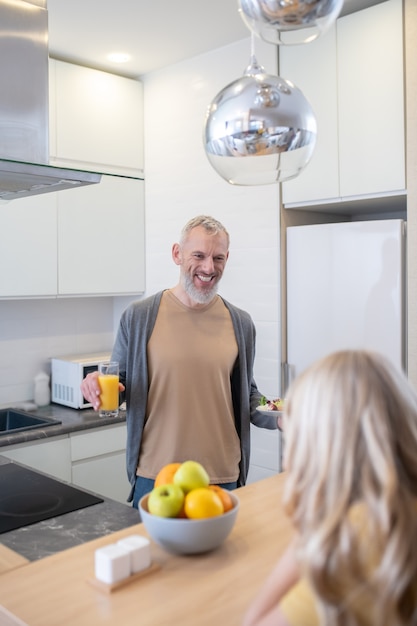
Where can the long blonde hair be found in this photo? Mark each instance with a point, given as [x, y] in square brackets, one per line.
[351, 437]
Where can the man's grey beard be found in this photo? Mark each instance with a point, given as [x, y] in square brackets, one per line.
[201, 297]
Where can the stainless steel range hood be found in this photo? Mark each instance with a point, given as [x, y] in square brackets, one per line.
[19, 179]
[24, 106]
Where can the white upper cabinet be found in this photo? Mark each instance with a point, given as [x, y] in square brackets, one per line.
[98, 119]
[28, 249]
[90, 240]
[353, 77]
[101, 238]
[371, 100]
[313, 68]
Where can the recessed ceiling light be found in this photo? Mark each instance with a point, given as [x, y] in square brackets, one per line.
[119, 57]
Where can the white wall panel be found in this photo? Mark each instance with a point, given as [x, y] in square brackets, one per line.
[180, 183]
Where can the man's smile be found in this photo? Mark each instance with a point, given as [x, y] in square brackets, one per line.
[205, 279]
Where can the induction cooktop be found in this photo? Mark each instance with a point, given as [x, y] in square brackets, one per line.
[27, 497]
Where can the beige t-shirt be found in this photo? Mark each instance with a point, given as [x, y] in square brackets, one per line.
[189, 416]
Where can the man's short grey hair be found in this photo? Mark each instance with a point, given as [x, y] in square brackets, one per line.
[210, 224]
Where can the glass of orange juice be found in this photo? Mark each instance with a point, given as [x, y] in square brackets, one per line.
[108, 379]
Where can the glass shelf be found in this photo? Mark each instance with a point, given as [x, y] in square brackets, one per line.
[20, 179]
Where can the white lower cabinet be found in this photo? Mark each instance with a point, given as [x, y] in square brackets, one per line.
[98, 460]
[52, 457]
[93, 459]
[105, 476]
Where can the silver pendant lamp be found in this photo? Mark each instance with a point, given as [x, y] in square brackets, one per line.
[259, 129]
[289, 22]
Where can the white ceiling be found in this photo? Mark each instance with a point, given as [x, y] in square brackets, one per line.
[156, 33]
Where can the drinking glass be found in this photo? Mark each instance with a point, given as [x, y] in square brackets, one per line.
[108, 378]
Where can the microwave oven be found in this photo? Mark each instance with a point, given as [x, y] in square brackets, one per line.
[67, 373]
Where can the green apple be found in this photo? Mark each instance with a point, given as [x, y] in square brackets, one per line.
[166, 500]
[191, 475]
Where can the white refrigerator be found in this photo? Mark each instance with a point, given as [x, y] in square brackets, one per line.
[345, 289]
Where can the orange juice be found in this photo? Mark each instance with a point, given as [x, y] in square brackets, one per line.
[109, 396]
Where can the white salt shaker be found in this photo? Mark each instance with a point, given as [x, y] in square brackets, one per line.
[112, 563]
[140, 552]
[42, 394]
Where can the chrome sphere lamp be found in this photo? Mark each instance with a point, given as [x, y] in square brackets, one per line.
[259, 129]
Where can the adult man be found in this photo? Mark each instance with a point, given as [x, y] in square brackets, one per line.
[186, 365]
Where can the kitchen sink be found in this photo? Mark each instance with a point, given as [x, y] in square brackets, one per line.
[12, 420]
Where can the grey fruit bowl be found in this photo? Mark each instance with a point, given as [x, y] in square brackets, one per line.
[189, 536]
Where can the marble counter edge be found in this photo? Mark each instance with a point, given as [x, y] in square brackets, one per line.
[41, 539]
[72, 420]
[66, 531]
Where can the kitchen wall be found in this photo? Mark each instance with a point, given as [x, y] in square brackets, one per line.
[180, 184]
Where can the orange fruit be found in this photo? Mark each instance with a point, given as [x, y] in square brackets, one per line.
[224, 496]
[202, 502]
[165, 475]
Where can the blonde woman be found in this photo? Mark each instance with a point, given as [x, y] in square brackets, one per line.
[351, 455]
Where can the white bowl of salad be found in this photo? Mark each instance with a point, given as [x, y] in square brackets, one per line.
[272, 407]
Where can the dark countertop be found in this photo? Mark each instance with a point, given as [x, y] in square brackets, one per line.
[72, 529]
[72, 420]
[66, 531]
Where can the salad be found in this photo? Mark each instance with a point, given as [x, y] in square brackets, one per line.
[271, 405]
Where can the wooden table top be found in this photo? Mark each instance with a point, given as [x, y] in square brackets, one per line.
[209, 589]
[10, 559]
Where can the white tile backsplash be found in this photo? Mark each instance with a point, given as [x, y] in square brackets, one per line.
[33, 331]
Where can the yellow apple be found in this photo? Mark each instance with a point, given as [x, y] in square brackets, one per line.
[191, 475]
[166, 500]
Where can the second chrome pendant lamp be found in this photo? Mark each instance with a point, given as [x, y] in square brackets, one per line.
[289, 22]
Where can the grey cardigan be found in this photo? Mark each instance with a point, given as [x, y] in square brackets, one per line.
[135, 328]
